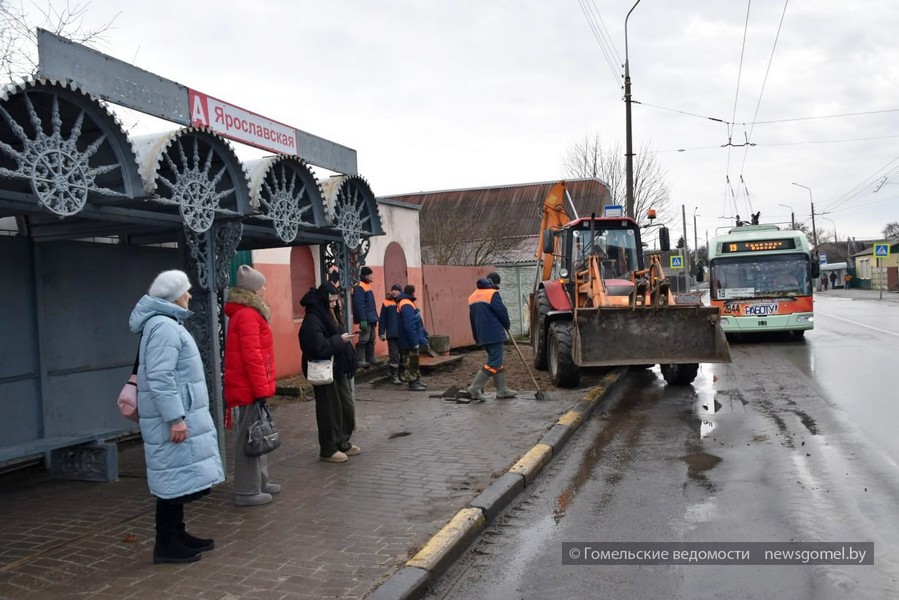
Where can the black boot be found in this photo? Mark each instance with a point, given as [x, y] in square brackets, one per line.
[199, 544]
[169, 548]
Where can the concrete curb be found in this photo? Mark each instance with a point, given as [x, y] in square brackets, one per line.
[413, 580]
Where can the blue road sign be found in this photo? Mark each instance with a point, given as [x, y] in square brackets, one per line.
[677, 262]
[881, 250]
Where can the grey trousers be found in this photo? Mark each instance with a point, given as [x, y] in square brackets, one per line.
[250, 472]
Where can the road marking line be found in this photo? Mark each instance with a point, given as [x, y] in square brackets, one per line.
[857, 323]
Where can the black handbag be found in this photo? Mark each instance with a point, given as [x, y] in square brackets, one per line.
[262, 437]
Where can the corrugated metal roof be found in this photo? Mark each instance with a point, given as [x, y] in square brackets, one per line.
[519, 205]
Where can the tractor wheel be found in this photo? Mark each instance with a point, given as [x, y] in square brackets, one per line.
[561, 364]
[539, 338]
[680, 374]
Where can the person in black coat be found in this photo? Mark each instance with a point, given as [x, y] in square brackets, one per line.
[323, 336]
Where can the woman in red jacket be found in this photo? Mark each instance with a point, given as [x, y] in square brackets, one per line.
[249, 378]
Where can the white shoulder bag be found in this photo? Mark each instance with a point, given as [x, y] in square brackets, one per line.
[320, 372]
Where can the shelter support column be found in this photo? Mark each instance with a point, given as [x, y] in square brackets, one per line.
[208, 261]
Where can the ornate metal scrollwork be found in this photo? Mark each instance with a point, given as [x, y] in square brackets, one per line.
[211, 253]
[60, 173]
[227, 237]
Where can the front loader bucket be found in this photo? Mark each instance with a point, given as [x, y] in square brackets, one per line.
[673, 334]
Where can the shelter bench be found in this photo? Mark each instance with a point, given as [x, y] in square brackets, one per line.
[85, 456]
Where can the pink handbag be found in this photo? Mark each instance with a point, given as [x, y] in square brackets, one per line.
[127, 400]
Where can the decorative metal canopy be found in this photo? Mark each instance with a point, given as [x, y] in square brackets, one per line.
[284, 191]
[63, 147]
[352, 208]
[197, 171]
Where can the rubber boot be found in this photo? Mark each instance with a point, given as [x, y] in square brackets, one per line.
[395, 375]
[196, 543]
[417, 386]
[501, 390]
[169, 548]
[476, 389]
[259, 499]
[267, 487]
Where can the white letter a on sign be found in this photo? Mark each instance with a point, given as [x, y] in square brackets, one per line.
[198, 111]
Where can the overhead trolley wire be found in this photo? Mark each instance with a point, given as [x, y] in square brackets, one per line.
[764, 83]
[737, 95]
[597, 34]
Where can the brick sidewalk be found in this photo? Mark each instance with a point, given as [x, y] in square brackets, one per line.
[335, 531]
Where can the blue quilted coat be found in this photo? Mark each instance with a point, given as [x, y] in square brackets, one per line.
[170, 385]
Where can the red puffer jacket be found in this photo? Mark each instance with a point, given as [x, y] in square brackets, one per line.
[249, 349]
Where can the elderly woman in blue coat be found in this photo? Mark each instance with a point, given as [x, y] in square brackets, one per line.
[180, 440]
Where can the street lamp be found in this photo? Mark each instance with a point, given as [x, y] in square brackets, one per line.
[792, 216]
[628, 139]
[695, 237]
[814, 229]
[835, 237]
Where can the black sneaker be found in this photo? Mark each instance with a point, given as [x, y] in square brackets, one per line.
[417, 386]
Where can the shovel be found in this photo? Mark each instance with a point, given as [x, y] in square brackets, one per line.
[539, 395]
[430, 312]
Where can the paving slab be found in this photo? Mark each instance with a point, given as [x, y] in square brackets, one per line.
[335, 531]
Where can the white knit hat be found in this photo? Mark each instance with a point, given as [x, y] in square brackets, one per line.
[169, 285]
[249, 278]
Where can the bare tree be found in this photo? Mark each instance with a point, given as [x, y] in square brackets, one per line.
[588, 158]
[454, 237]
[18, 33]
[891, 231]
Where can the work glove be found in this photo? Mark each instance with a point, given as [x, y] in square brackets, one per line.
[363, 326]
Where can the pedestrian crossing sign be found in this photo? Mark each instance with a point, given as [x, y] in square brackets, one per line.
[677, 262]
[881, 250]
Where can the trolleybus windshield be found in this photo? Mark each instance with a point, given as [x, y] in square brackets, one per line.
[754, 276]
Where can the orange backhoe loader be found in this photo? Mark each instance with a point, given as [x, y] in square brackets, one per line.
[596, 304]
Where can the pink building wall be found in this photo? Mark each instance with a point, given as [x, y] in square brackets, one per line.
[441, 292]
[443, 301]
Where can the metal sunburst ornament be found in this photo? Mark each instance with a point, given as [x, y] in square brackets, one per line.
[60, 174]
[351, 216]
[194, 187]
[282, 199]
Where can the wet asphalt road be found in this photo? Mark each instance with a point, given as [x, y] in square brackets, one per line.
[794, 441]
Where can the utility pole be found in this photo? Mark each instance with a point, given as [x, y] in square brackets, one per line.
[814, 229]
[683, 210]
[792, 215]
[629, 142]
[695, 237]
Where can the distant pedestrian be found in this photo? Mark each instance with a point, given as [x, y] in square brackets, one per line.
[179, 436]
[387, 331]
[847, 281]
[365, 314]
[322, 336]
[411, 335]
[249, 380]
[824, 281]
[833, 280]
[489, 324]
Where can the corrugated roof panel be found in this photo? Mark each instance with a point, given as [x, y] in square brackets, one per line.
[518, 205]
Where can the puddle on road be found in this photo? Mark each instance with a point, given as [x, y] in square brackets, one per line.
[619, 421]
[698, 463]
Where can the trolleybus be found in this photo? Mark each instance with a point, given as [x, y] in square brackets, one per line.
[762, 278]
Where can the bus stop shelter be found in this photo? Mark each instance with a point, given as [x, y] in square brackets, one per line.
[89, 216]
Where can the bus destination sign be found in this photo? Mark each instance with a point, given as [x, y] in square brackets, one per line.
[758, 246]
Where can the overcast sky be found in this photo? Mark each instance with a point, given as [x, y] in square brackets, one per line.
[444, 94]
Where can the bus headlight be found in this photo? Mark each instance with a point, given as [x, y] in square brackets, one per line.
[805, 319]
[725, 321]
